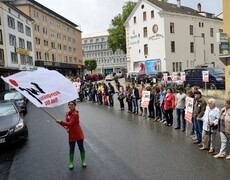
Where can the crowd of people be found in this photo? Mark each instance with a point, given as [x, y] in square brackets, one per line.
[207, 118]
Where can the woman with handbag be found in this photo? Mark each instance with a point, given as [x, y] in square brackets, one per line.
[169, 106]
[210, 123]
[121, 96]
[224, 128]
[72, 125]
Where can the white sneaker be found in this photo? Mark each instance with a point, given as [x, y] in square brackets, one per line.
[164, 122]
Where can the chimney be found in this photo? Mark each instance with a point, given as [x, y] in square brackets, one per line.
[199, 8]
[178, 3]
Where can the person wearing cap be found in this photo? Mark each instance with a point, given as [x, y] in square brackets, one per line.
[199, 110]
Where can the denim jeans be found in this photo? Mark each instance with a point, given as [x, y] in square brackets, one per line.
[135, 105]
[180, 116]
[80, 146]
[163, 113]
[198, 126]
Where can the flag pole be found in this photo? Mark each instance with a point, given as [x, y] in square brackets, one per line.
[48, 113]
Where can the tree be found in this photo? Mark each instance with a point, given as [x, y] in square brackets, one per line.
[117, 39]
[164, 1]
[91, 63]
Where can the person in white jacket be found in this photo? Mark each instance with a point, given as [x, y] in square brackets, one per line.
[210, 123]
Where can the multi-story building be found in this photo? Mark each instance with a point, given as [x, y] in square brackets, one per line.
[170, 37]
[57, 40]
[225, 43]
[95, 46]
[16, 41]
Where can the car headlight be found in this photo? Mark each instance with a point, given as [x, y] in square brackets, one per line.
[19, 126]
[219, 79]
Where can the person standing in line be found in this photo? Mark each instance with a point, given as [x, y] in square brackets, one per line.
[210, 124]
[121, 96]
[151, 102]
[135, 98]
[142, 88]
[72, 125]
[224, 128]
[199, 109]
[180, 109]
[128, 93]
[111, 92]
[162, 96]
[169, 106]
[157, 103]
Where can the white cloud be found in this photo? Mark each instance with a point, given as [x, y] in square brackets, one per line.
[96, 15]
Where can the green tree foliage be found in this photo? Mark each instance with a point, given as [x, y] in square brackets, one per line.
[91, 63]
[117, 39]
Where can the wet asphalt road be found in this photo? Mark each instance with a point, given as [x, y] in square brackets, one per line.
[118, 146]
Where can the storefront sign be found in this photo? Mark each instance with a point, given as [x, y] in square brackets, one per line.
[22, 51]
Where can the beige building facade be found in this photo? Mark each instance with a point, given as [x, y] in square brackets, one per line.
[57, 41]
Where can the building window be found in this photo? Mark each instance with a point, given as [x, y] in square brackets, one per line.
[199, 24]
[14, 58]
[1, 56]
[146, 49]
[46, 43]
[145, 32]
[70, 49]
[21, 43]
[38, 55]
[221, 30]
[47, 56]
[44, 19]
[28, 31]
[203, 36]
[11, 22]
[211, 32]
[191, 29]
[144, 16]
[22, 59]
[58, 35]
[12, 40]
[59, 46]
[152, 14]
[36, 28]
[20, 27]
[53, 57]
[1, 40]
[45, 31]
[70, 59]
[29, 45]
[212, 48]
[53, 45]
[171, 27]
[37, 40]
[172, 46]
[134, 19]
[191, 47]
[36, 15]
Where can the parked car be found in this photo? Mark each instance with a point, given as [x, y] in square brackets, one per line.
[109, 77]
[152, 77]
[173, 84]
[119, 73]
[141, 77]
[130, 76]
[12, 125]
[216, 77]
[91, 77]
[19, 99]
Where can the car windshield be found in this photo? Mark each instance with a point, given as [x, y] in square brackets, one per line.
[216, 71]
[7, 109]
[13, 95]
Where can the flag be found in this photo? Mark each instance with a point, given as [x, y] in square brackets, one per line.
[43, 87]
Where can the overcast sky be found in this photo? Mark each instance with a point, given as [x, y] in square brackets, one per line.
[95, 15]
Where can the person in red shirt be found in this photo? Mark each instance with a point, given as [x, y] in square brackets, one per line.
[169, 106]
[72, 125]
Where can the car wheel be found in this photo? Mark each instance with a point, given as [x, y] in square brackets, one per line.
[212, 86]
